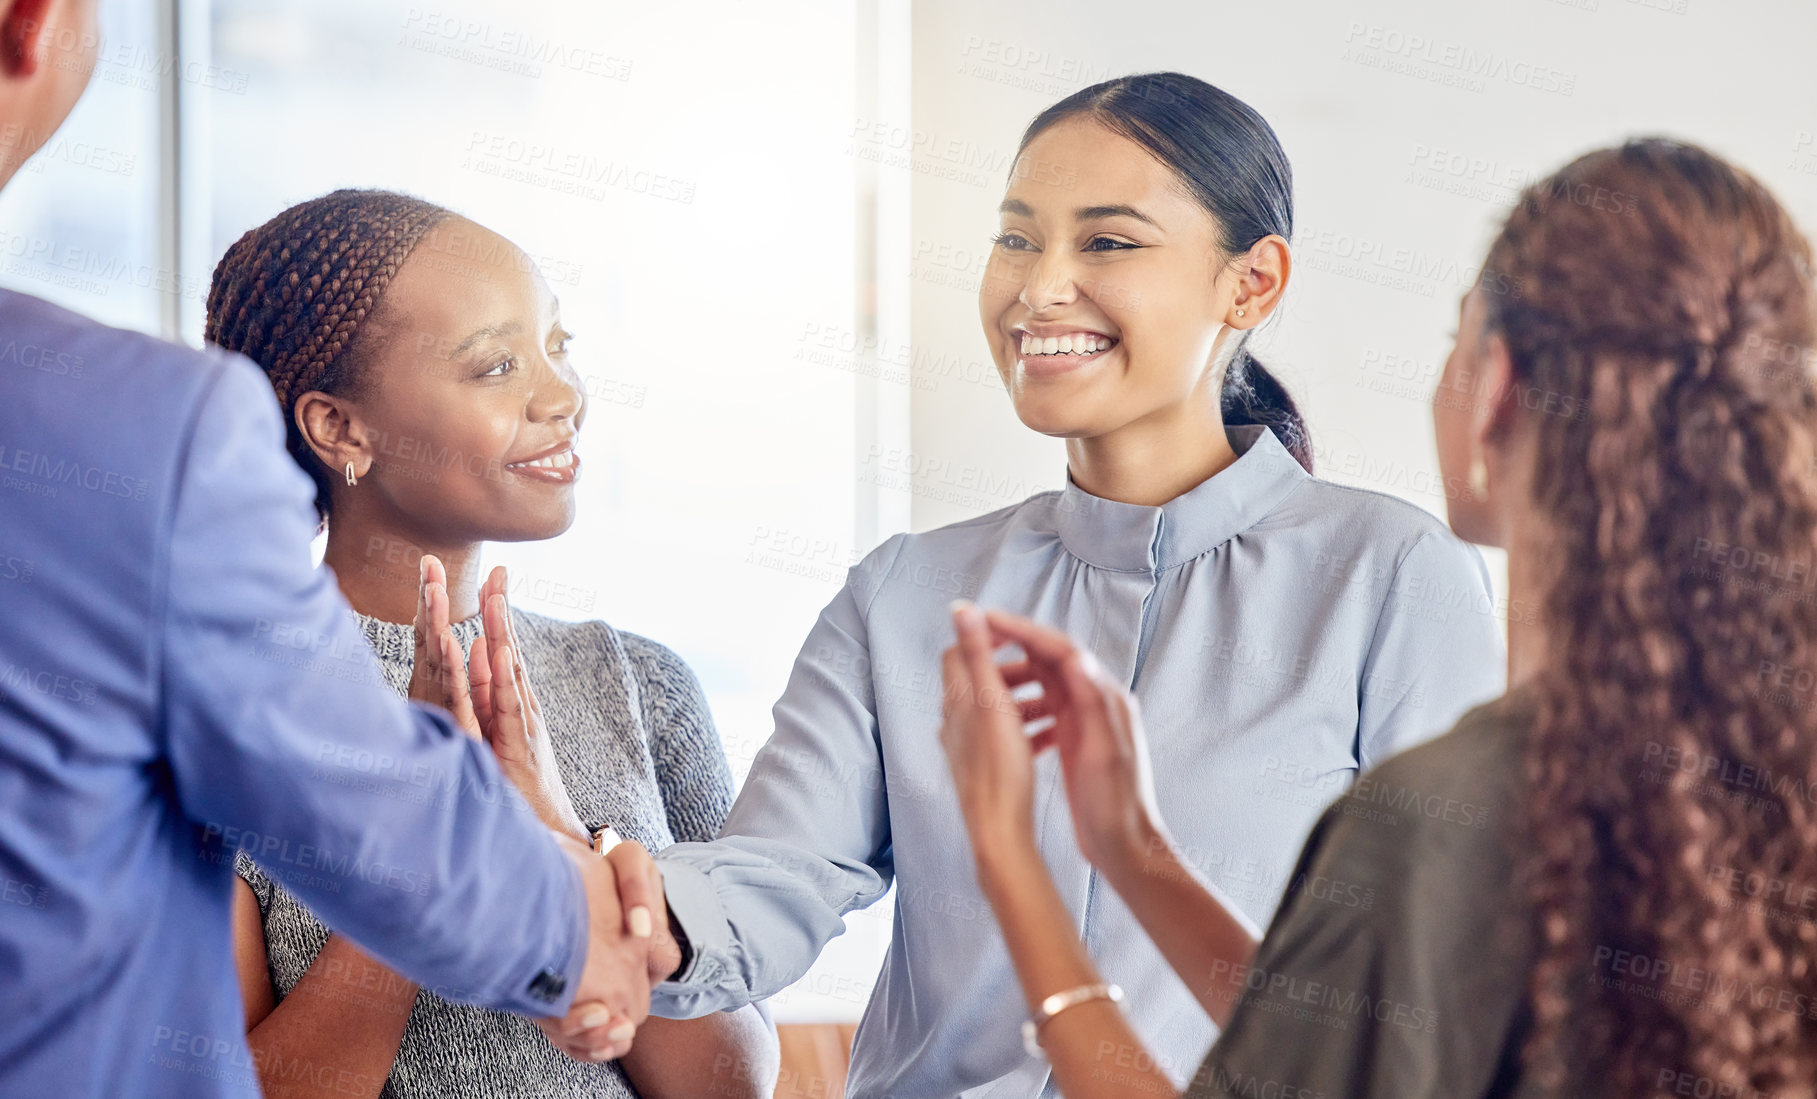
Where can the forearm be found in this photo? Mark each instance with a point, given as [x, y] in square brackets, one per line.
[756, 912]
[1206, 941]
[1093, 1051]
[730, 1055]
[557, 815]
[338, 1031]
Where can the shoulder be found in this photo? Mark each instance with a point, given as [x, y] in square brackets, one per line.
[134, 416]
[141, 397]
[1364, 515]
[1373, 544]
[977, 534]
[1429, 833]
[1403, 916]
[952, 561]
[544, 636]
[55, 340]
[657, 664]
[1476, 751]
[1452, 792]
[654, 664]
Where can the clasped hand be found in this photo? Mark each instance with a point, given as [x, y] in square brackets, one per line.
[490, 696]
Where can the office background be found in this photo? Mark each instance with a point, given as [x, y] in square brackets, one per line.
[767, 222]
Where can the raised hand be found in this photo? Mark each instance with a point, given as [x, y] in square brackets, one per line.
[992, 759]
[1097, 729]
[1089, 718]
[613, 997]
[511, 719]
[438, 675]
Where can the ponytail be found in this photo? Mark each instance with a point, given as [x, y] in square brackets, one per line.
[1252, 395]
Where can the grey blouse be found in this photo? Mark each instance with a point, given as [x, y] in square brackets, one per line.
[1281, 633]
[637, 749]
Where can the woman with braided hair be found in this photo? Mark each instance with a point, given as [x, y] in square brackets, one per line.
[422, 367]
[1605, 882]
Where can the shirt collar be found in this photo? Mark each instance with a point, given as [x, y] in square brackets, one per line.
[1132, 537]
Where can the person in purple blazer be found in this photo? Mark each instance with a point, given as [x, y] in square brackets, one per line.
[179, 683]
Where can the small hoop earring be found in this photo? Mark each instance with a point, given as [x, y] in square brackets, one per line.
[351, 479]
[1479, 478]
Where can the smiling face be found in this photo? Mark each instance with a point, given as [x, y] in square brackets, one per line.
[1108, 290]
[468, 412]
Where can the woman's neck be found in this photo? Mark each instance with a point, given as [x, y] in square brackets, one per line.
[1526, 599]
[378, 571]
[1151, 463]
[1524, 529]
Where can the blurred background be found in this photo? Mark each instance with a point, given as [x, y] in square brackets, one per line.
[767, 223]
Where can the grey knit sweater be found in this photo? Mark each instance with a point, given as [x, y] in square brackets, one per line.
[637, 750]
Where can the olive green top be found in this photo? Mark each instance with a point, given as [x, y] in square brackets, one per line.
[1397, 965]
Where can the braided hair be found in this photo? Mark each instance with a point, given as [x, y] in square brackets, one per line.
[298, 294]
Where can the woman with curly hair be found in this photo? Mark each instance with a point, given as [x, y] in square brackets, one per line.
[1603, 883]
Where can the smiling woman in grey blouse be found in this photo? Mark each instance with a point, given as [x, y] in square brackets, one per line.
[423, 369]
[1597, 885]
[1280, 631]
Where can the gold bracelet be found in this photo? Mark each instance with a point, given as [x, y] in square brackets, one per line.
[1058, 1002]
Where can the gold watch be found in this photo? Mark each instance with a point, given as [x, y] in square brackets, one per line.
[604, 839]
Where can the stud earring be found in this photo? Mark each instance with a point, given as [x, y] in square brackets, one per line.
[351, 479]
[1239, 312]
[1479, 478]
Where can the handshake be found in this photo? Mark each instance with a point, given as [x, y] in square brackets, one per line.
[490, 696]
[628, 950]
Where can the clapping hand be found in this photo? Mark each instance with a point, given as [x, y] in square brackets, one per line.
[437, 676]
[991, 757]
[1094, 724]
[491, 698]
[512, 720]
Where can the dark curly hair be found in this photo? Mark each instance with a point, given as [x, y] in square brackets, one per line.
[1667, 298]
[298, 296]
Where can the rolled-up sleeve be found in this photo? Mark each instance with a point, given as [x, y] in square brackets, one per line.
[284, 741]
[808, 839]
[1437, 649]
